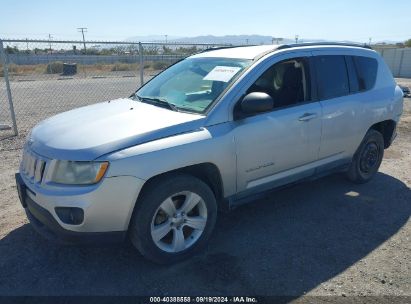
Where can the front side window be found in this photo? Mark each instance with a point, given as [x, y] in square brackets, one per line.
[287, 82]
[192, 84]
[332, 77]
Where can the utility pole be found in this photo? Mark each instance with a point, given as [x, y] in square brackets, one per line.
[296, 38]
[166, 38]
[246, 41]
[82, 30]
[50, 37]
[369, 41]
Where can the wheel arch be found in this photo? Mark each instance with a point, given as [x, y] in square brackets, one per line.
[206, 172]
[386, 128]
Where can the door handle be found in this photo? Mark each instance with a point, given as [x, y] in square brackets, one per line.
[307, 116]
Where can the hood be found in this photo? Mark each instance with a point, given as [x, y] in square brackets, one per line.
[89, 132]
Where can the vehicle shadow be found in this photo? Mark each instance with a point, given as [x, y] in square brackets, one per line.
[286, 244]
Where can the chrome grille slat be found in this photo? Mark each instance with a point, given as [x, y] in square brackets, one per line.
[39, 171]
[28, 164]
[33, 166]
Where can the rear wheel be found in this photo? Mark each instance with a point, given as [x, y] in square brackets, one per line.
[368, 158]
[173, 219]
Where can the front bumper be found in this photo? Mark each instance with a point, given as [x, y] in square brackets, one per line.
[107, 210]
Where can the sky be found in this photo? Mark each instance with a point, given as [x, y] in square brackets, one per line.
[354, 20]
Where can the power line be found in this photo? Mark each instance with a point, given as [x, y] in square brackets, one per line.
[82, 30]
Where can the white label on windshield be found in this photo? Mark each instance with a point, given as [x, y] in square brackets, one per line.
[222, 73]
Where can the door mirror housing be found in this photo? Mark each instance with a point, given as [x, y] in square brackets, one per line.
[256, 102]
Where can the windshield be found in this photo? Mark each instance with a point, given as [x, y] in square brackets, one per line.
[192, 84]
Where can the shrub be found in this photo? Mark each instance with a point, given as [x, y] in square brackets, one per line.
[55, 67]
[12, 68]
[98, 66]
[159, 65]
[121, 67]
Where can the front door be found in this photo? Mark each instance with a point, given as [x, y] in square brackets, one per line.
[273, 147]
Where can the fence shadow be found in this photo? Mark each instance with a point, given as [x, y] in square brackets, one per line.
[287, 244]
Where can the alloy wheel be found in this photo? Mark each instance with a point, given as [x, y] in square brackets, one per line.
[179, 222]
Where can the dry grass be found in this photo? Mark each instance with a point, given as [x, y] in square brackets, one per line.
[124, 67]
[15, 69]
[57, 67]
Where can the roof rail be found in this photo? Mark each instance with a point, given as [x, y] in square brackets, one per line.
[287, 46]
[220, 48]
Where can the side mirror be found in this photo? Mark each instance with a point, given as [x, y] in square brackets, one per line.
[257, 102]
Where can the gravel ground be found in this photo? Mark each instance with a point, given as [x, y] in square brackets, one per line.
[321, 238]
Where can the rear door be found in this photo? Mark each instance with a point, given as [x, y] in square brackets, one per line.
[341, 119]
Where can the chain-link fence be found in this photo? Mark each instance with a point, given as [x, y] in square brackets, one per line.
[7, 120]
[40, 78]
[49, 77]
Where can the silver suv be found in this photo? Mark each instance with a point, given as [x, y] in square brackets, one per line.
[212, 131]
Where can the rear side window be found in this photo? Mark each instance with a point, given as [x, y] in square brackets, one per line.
[366, 71]
[332, 76]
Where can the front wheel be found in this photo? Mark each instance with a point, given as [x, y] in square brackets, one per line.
[173, 219]
[367, 159]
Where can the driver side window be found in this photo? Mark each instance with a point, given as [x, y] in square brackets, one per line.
[287, 82]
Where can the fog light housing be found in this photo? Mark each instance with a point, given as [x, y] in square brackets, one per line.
[70, 215]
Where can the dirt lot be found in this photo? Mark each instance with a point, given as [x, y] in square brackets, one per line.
[40, 96]
[326, 237]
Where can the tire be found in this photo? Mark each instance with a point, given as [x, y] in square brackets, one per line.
[167, 213]
[367, 159]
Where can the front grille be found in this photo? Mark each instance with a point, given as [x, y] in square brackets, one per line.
[33, 166]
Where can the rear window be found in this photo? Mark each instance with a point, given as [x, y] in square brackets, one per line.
[366, 71]
[332, 76]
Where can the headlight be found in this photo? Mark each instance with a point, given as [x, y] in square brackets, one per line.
[78, 172]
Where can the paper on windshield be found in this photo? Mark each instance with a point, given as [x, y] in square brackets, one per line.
[222, 73]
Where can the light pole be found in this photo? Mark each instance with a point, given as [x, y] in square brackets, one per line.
[50, 37]
[296, 38]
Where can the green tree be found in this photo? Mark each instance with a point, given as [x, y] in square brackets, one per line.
[167, 50]
[408, 43]
[150, 50]
[12, 50]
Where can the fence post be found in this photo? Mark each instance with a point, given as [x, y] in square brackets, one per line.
[6, 79]
[140, 53]
[393, 63]
[401, 61]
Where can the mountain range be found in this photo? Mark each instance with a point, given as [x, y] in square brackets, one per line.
[228, 39]
[233, 39]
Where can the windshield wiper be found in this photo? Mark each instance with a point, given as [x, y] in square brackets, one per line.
[158, 101]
